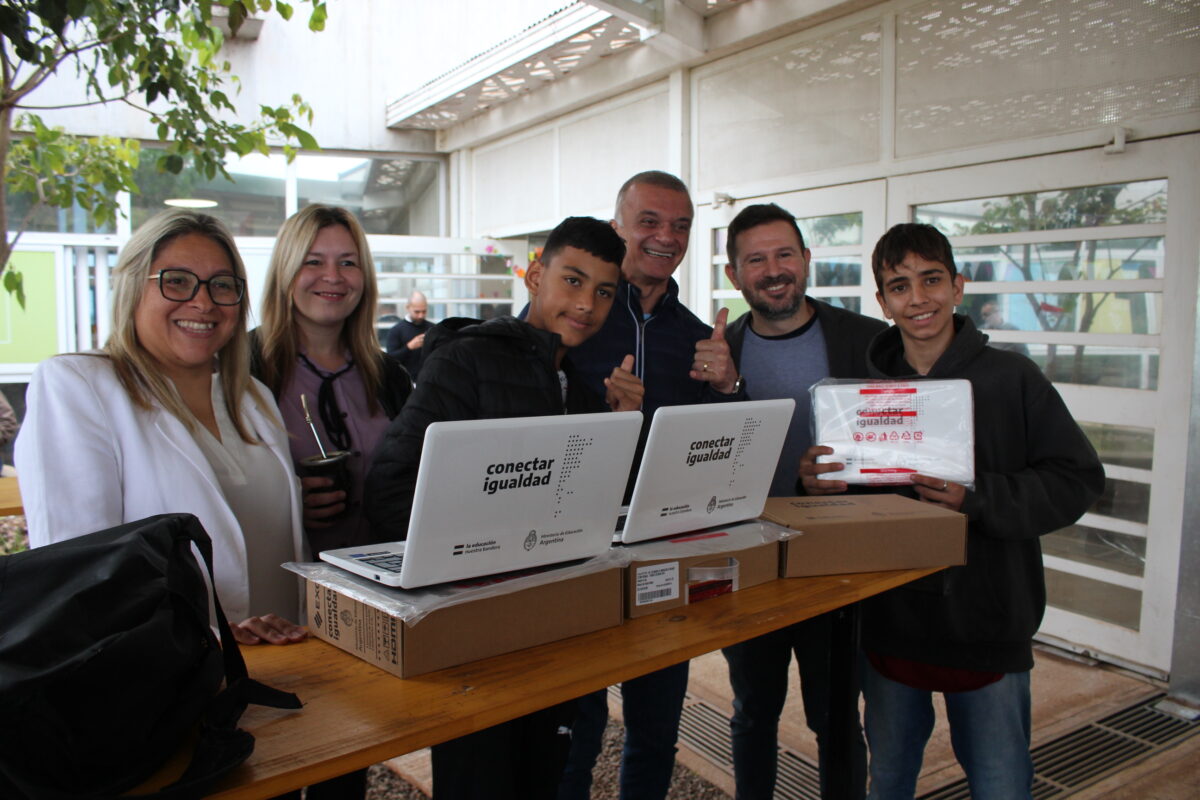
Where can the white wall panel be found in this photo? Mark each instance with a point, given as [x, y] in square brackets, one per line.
[514, 183]
[598, 152]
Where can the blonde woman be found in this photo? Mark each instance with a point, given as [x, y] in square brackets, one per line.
[318, 339]
[166, 418]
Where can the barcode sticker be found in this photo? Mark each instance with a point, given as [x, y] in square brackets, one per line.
[656, 583]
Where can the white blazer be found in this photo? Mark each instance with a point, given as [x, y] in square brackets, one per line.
[89, 459]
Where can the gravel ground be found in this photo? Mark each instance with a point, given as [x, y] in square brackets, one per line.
[383, 784]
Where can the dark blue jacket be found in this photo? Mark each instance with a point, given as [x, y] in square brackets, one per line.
[397, 340]
[662, 346]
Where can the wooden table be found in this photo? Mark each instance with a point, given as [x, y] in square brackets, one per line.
[10, 498]
[355, 715]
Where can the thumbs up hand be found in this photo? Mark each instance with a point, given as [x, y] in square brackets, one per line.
[712, 361]
[624, 390]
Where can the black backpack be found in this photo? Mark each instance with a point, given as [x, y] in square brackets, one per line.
[108, 665]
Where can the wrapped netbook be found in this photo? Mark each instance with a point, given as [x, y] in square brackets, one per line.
[886, 431]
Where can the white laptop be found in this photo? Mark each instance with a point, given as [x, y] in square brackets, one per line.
[705, 465]
[498, 495]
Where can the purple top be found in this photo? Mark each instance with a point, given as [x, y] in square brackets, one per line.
[365, 432]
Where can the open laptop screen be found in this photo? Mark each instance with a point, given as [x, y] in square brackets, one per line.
[498, 495]
[705, 465]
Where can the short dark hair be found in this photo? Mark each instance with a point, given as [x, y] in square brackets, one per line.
[911, 237]
[653, 177]
[588, 234]
[753, 216]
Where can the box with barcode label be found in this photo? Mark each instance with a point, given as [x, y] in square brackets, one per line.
[691, 567]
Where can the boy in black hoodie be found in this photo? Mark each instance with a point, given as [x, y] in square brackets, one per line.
[506, 367]
[966, 632]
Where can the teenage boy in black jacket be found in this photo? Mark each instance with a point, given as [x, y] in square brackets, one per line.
[968, 631]
[509, 368]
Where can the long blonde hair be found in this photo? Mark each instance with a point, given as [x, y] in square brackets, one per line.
[139, 373]
[278, 332]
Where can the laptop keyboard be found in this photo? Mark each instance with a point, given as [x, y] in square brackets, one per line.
[390, 562]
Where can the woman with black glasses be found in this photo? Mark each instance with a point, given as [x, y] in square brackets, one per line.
[317, 347]
[166, 418]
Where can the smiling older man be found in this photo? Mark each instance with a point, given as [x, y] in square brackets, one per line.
[679, 360]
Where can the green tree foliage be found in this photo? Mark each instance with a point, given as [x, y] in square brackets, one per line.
[1081, 208]
[162, 57]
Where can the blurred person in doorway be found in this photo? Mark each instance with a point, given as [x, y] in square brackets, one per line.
[407, 337]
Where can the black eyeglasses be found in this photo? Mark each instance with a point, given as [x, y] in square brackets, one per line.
[181, 285]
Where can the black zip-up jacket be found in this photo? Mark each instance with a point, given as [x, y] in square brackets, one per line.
[662, 346]
[496, 369]
[1035, 472]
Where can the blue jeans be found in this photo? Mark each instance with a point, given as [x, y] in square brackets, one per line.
[651, 705]
[989, 729]
[758, 674]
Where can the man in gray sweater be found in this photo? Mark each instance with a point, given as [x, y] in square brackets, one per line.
[782, 346]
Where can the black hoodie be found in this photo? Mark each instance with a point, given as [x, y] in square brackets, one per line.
[501, 368]
[1035, 472]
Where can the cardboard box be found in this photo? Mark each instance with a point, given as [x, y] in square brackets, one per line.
[482, 619]
[672, 572]
[866, 533]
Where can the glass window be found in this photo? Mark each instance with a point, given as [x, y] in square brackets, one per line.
[1096, 599]
[1093, 365]
[1066, 312]
[849, 303]
[736, 305]
[388, 195]
[721, 278]
[1136, 203]
[719, 236]
[1119, 552]
[833, 230]
[47, 219]
[1121, 445]
[1092, 260]
[252, 204]
[1127, 500]
[836, 271]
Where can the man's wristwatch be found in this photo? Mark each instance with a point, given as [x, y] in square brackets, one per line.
[738, 385]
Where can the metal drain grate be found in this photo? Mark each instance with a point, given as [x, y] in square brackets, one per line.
[798, 777]
[704, 729]
[1062, 766]
[1095, 751]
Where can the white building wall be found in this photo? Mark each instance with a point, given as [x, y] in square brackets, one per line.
[530, 181]
[863, 103]
[370, 52]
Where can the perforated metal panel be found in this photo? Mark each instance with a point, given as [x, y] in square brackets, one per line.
[969, 73]
[808, 103]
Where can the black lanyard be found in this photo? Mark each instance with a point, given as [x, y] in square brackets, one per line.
[332, 416]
